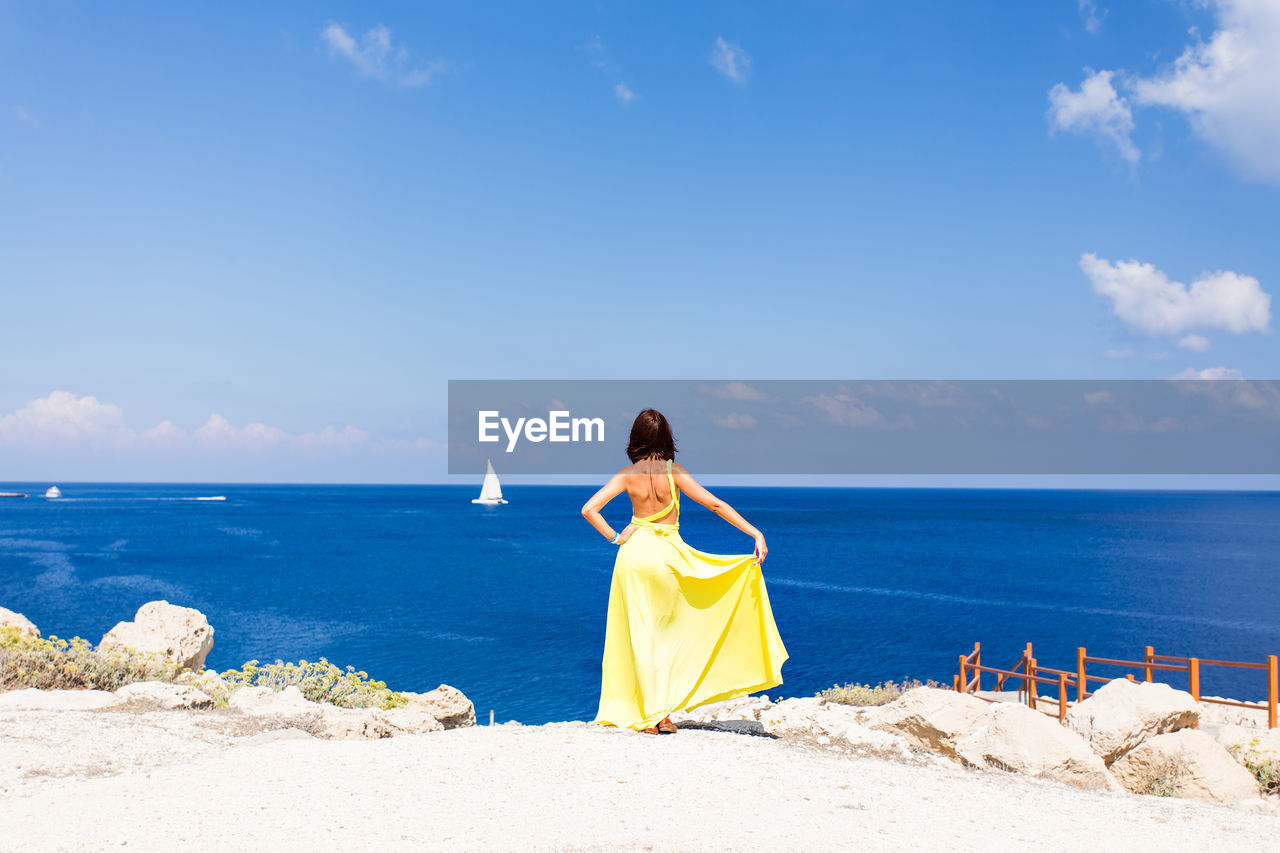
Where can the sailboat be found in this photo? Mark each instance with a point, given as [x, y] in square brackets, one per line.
[491, 491]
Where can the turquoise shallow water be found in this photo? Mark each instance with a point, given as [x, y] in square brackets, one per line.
[418, 586]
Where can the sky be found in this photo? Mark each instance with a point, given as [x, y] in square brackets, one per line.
[255, 241]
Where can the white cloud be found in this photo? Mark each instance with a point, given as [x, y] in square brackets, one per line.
[734, 420]
[1259, 397]
[1128, 353]
[374, 55]
[1146, 299]
[1228, 88]
[63, 419]
[1195, 343]
[731, 60]
[1210, 373]
[165, 433]
[847, 410]
[1095, 109]
[597, 55]
[218, 432]
[1090, 15]
[624, 93]
[737, 391]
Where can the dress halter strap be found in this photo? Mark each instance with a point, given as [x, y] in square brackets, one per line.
[674, 503]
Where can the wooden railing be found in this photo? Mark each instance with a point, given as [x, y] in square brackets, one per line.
[1029, 674]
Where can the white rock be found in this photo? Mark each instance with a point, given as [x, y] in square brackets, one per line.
[9, 619]
[447, 704]
[163, 695]
[832, 720]
[879, 741]
[181, 633]
[263, 701]
[274, 735]
[796, 713]
[1017, 739]
[1246, 743]
[1122, 714]
[1212, 713]
[730, 710]
[1189, 764]
[346, 723]
[931, 717]
[411, 719]
[289, 708]
[32, 699]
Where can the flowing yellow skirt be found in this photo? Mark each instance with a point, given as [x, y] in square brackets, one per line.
[684, 629]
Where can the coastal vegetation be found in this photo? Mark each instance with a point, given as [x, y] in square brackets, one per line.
[1164, 782]
[866, 695]
[319, 681]
[54, 663]
[1263, 763]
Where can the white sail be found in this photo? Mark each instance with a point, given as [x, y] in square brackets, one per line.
[491, 490]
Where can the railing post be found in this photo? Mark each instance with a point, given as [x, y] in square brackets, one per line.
[977, 662]
[1026, 668]
[1150, 654]
[962, 685]
[1193, 678]
[1080, 677]
[1273, 691]
[955, 683]
[1062, 697]
[1032, 695]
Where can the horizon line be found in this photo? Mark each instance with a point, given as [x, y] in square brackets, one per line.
[1270, 489]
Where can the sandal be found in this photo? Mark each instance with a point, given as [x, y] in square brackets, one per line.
[667, 726]
[652, 730]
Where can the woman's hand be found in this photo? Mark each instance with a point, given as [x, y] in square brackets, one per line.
[761, 549]
[626, 533]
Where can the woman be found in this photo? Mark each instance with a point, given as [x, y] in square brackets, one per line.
[684, 628]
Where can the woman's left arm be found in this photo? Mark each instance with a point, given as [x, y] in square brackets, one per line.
[591, 509]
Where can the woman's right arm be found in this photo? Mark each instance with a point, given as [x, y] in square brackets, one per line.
[691, 487]
[591, 509]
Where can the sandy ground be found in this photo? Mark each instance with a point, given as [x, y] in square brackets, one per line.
[182, 780]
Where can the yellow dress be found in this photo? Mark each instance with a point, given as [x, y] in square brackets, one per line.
[684, 627]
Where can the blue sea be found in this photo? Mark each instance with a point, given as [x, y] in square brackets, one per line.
[418, 586]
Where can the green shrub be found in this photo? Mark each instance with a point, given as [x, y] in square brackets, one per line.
[865, 694]
[1263, 764]
[58, 664]
[1164, 782]
[319, 681]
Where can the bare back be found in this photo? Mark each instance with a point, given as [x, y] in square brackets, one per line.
[647, 486]
[650, 487]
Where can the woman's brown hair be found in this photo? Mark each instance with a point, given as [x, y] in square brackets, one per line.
[651, 436]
